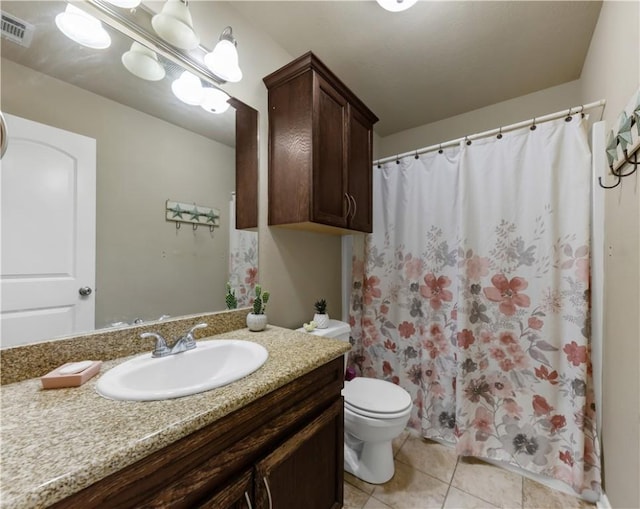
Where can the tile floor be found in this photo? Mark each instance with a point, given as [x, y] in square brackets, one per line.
[431, 476]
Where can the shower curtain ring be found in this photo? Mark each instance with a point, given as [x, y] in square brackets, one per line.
[533, 126]
[568, 118]
[582, 111]
[177, 225]
[440, 149]
[195, 227]
[416, 156]
[467, 140]
[499, 133]
[398, 159]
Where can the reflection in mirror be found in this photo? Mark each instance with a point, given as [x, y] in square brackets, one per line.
[149, 148]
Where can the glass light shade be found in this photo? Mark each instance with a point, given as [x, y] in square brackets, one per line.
[215, 101]
[174, 25]
[82, 28]
[188, 89]
[143, 63]
[223, 61]
[125, 4]
[396, 5]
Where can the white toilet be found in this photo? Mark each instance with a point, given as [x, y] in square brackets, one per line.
[375, 412]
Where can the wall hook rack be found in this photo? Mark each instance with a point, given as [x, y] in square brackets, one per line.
[181, 212]
[623, 142]
[609, 187]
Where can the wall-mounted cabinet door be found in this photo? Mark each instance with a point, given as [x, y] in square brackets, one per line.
[330, 202]
[306, 470]
[360, 171]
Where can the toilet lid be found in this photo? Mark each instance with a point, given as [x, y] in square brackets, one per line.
[375, 396]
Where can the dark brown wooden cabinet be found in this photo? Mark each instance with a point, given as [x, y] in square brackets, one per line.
[246, 165]
[320, 150]
[283, 451]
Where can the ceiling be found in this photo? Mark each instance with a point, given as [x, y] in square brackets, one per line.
[439, 58]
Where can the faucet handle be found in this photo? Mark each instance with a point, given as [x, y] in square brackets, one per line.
[161, 349]
[188, 338]
[196, 327]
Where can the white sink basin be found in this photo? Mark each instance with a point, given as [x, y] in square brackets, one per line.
[211, 364]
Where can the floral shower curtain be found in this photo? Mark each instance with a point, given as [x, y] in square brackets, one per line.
[473, 295]
[243, 259]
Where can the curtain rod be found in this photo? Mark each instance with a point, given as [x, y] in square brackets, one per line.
[484, 134]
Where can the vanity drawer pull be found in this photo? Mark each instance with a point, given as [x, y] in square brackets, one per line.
[266, 485]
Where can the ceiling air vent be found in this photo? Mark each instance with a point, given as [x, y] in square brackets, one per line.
[16, 30]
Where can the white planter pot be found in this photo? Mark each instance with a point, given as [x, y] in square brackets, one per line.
[322, 321]
[256, 323]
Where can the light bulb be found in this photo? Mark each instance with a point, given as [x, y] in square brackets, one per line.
[174, 25]
[223, 60]
[215, 101]
[143, 63]
[82, 28]
[396, 5]
[188, 89]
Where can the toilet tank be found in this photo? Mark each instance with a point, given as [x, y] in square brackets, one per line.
[336, 330]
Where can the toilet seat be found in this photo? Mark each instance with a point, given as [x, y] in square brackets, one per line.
[374, 415]
[375, 398]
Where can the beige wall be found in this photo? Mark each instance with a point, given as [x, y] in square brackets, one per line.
[515, 110]
[611, 70]
[144, 267]
[298, 268]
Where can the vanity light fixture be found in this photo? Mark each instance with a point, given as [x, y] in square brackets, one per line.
[174, 25]
[215, 101]
[223, 60]
[83, 28]
[125, 4]
[396, 5]
[188, 89]
[143, 63]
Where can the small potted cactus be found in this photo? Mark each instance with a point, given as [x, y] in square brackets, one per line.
[230, 298]
[321, 317]
[257, 320]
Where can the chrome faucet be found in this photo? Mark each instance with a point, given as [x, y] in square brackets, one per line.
[182, 344]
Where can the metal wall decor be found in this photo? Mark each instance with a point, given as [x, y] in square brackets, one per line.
[196, 215]
[623, 143]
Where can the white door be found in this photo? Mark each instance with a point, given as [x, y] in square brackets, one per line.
[48, 190]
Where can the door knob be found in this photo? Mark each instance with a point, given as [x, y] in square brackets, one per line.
[85, 291]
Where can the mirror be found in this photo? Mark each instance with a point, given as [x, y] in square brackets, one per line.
[151, 148]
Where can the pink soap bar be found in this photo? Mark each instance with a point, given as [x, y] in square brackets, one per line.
[55, 380]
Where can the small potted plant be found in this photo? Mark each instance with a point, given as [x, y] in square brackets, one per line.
[257, 320]
[321, 318]
[230, 298]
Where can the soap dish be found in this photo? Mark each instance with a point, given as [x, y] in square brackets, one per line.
[71, 374]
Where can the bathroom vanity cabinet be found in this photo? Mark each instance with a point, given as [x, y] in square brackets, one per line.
[284, 450]
[320, 150]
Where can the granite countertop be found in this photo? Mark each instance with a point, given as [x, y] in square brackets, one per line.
[57, 442]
